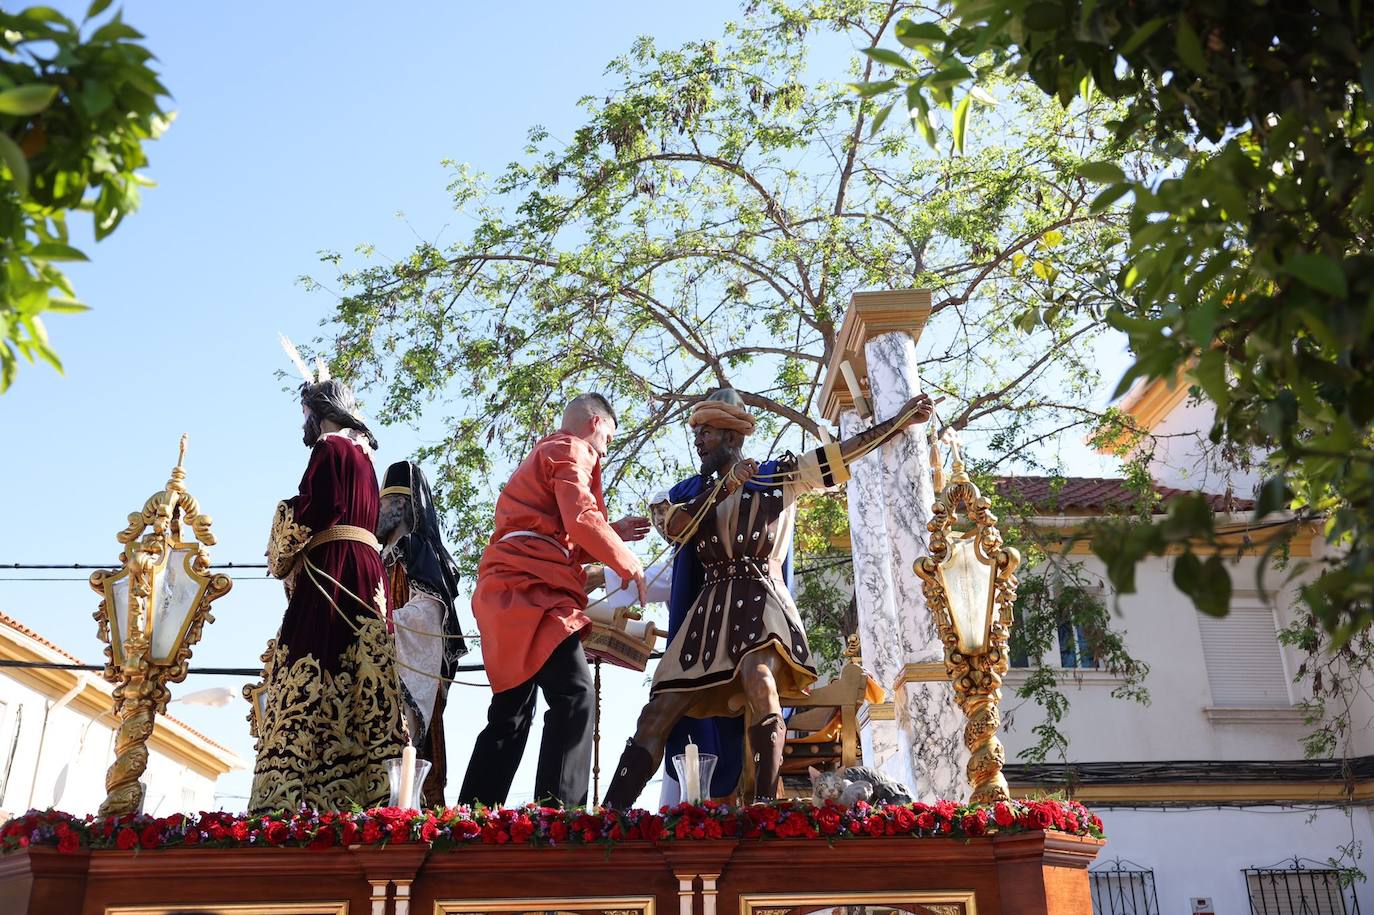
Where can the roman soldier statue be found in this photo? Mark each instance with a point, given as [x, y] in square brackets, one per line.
[741, 647]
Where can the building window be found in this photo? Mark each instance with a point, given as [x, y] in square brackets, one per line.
[1075, 651]
[1074, 648]
[1294, 888]
[1123, 888]
[1241, 650]
[1018, 657]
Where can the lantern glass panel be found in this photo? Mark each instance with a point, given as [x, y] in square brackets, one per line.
[968, 588]
[176, 592]
[117, 606]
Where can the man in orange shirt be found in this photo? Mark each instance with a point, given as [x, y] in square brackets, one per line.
[529, 603]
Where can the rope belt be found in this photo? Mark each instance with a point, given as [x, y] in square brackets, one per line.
[537, 536]
[344, 532]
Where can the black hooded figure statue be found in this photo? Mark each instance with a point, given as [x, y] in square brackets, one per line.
[422, 582]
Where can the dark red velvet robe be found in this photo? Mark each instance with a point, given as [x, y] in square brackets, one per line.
[333, 709]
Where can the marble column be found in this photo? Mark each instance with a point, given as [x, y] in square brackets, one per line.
[880, 636]
[928, 721]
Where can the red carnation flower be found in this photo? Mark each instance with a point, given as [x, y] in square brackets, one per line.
[521, 829]
[828, 820]
[558, 830]
[1002, 815]
[399, 831]
[275, 832]
[68, 842]
[239, 831]
[429, 829]
[126, 839]
[975, 825]
[372, 832]
[192, 836]
[323, 839]
[874, 825]
[151, 837]
[926, 820]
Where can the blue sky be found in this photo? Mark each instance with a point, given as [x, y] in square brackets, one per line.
[301, 126]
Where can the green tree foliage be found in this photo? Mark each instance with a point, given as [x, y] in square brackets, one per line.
[706, 225]
[1249, 266]
[77, 103]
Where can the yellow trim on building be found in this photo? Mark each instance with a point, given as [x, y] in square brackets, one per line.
[1165, 793]
[170, 737]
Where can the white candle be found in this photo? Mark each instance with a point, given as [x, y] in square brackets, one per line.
[692, 789]
[407, 775]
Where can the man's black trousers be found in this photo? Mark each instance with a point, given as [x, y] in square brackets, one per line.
[565, 752]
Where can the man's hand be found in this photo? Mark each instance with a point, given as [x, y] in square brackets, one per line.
[919, 409]
[596, 578]
[631, 528]
[741, 473]
[637, 576]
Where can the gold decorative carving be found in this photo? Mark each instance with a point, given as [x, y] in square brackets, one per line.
[235, 908]
[977, 676]
[324, 737]
[286, 542]
[612, 905]
[255, 693]
[924, 672]
[938, 902]
[152, 540]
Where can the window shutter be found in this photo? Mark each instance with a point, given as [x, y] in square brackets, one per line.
[1244, 667]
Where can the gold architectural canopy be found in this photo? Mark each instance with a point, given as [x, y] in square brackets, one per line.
[151, 613]
[969, 582]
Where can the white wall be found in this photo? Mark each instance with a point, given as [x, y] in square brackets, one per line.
[1202, 852]
[77, 751]
[1180, 460]
[1161, 629]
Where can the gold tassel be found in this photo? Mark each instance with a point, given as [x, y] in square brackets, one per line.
[936, 461]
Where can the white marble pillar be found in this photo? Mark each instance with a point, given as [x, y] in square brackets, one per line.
[880, 636]
[927, 718]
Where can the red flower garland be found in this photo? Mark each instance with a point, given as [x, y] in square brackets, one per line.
[449, 827]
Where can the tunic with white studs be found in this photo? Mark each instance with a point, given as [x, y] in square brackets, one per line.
[744, 605]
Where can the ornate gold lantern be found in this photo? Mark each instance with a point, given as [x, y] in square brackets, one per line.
[969, 582]
[151, 613]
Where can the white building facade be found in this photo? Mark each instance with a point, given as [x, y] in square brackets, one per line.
[57, 733]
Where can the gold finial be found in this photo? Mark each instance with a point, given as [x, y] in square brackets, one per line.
[178, 474]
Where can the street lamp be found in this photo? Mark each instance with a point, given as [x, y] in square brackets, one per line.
[151, 613]
[969, 583]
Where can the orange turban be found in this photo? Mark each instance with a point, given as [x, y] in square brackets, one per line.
[720, 414]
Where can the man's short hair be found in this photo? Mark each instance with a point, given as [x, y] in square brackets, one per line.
[593, 403]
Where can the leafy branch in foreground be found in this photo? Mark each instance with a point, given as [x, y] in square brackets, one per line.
[75, 111]
[1249, 270]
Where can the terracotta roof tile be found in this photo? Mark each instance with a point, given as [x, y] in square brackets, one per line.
[1068, 494]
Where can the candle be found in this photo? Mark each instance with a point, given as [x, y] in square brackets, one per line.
[692, 789]
[407, 776]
